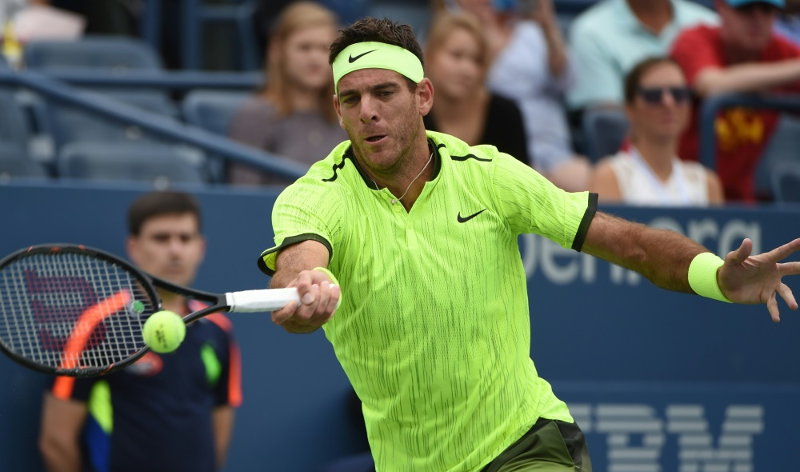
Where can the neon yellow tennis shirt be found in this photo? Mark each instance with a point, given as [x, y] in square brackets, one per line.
[434, 329]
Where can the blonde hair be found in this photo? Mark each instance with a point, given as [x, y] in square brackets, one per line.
[445, 24]
[296, 16]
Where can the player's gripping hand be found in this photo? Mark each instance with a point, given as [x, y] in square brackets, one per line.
[318, 300]
[757, 279]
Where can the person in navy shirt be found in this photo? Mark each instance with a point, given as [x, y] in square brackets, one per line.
[167, 412]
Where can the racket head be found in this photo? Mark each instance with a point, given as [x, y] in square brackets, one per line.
[73, 310]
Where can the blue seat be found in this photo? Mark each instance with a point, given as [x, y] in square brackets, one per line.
[105, 55]
[786, 181]
[14, 127]
[212, 110]
[604, 131]
[15, 163]
[66, 124]
[113, 53]
[148, 162]
[784, 145]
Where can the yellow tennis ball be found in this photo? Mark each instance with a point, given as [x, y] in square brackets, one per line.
[164, 331]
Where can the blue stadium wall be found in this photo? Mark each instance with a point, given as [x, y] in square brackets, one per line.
[659, 381]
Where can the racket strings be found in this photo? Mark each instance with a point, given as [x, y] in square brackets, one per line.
[71, 311]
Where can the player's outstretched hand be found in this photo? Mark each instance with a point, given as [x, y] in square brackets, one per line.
[757, 279]
[318, 299]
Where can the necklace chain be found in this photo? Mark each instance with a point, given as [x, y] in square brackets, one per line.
[395, 200]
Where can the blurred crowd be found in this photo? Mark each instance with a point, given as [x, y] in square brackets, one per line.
[517, 75]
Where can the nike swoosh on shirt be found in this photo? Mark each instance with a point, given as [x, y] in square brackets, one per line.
[464, 219]
[352, 59]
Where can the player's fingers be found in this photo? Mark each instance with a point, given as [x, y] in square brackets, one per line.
[788, 296]
[333, 301]
[789, 268]
[280, 316]
[303, 282]
[308, 303]
[322, 301]
[772, 306]
[737, 256]
[782, 252]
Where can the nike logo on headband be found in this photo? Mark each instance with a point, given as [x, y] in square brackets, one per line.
[352, 59]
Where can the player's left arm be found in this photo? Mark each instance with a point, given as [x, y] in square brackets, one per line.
[663, 257]
[222, 422]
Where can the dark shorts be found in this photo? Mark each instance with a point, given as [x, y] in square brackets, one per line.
[549, 446]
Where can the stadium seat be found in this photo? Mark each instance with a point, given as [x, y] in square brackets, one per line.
[14, 128]
[786, 181]
[783, 146]
[114, 53]
[101, 54]
[151, 162]
[212, 110]
[604, 131]
[66, 124]
[15, 163]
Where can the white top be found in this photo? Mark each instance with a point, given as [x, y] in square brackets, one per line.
[521, 72]
[638, 184]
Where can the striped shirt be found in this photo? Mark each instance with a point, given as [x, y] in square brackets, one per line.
[433, 330]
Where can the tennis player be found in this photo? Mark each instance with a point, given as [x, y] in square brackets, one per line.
[415, 234]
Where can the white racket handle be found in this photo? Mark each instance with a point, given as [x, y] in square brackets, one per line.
[252, 301]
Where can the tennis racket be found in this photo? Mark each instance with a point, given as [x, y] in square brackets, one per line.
[72, 310]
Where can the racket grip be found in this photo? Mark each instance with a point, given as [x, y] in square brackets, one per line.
[253, 301]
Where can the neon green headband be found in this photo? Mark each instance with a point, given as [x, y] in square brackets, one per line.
[374, 55]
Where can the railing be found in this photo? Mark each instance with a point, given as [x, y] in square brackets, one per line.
[154, 123]
[181, 80]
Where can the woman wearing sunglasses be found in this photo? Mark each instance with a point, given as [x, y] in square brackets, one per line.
[647, 171]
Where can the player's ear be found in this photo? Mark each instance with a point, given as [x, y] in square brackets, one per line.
[132, 248]
[338, 110]
[425, 94]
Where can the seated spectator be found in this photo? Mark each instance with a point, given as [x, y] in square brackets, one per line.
[529, 62]
[293, 116]
[608, 39]
[456, 60]
[743, 54]
[788, 23]
[648, 172]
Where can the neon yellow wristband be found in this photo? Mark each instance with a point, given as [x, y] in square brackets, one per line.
[703, 276]
[333, 279]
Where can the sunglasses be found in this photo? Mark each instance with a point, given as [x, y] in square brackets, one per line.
[655, 95]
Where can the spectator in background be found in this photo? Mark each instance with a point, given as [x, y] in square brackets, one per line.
[529, 62]
[608, 39]
[657, 103]
[743, 54]
[456, 59]
[293, 116]
[166, 412]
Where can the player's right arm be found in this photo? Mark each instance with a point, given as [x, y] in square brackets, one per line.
[62, 421]
[295, 268]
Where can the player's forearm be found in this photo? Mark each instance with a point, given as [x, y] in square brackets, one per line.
[662, 256]
[747, 77]
[223, 430]
[60, 457]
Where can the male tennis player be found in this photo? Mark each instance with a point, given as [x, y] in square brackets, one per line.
[421, 230]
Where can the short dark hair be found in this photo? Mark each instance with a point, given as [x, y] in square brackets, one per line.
[634, 78]
[380, 31]
[154, 204]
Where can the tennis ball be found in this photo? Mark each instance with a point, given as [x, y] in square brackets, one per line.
[164, 331]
